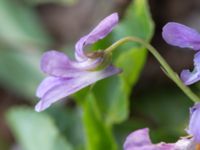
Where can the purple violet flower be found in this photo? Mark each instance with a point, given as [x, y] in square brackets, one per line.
[66, 77]
[139, 139]
[182, 36]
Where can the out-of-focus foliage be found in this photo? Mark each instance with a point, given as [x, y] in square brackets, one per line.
[22, 39]
[20, 71]
[69, 123]
[20, 27]
[3, 143]
[62, 2]
[36, 131]
[98, 121]
[165, 112]
[137, 22]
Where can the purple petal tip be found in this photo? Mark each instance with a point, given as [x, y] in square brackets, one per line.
[99, 32]
[40, 106]
[177, 34]
[115, 16]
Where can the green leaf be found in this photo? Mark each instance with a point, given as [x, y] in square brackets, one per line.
[35, 131]
[112, 94]
[108, 100]
[136, 22]
[69, 122]
[131, 74]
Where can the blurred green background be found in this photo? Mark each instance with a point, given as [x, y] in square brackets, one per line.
[142, 96]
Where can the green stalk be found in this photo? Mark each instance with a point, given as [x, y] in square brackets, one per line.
[168, 70]
[98, 135]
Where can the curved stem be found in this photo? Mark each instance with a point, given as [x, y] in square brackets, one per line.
[168, 70]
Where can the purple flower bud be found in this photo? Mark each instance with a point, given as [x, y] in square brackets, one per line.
[66, 76]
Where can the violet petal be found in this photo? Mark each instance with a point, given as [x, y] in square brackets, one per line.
[47, 84]
[194, 128]
[140, 140]
[191, 77]
[57, 64]
[69, 86]
[99, 32]
[180, 35]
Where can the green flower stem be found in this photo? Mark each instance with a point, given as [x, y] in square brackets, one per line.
[168, 70]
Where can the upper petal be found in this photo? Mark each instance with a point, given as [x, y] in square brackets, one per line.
[139, 140]
[194, 128]
[71, 85]
[57, 64]
[191, 77]
[99, 32]
[180, 35]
